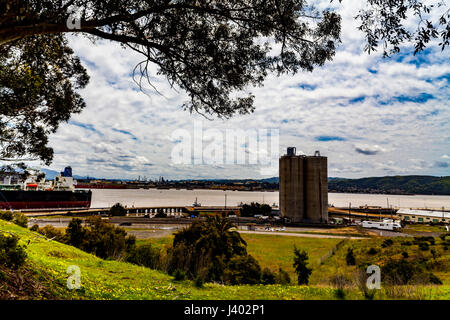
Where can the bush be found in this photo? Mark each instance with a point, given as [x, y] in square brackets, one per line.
[268, 277]
[283, 277]
[405, 254]
[20, 219]
[179, 275]
[34, 228]
[145, 255]
[16, 217]
[12, 255]
[387, 243]
[424, 246]
[6, 215]
[117, 210]
[372, 251]
[75, 233]
[206, 248]
[350, 257]
[100, 238]
[199, 282]
[52, 233]
[242, 269]
[402, 272]
[300, 265]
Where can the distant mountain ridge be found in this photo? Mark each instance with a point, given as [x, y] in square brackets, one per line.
[429, 185]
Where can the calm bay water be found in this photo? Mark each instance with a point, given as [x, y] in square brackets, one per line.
[157, 197]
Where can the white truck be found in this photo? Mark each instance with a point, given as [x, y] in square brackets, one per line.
[386, 224]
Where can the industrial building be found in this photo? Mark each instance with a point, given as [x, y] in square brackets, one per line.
[424, 216]
[304, 187]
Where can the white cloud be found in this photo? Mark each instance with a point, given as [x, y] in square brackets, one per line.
[372, 104]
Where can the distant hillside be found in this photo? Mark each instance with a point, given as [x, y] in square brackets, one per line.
[393, 185]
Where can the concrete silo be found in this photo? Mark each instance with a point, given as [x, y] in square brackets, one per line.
[291, 193]
[304, 187]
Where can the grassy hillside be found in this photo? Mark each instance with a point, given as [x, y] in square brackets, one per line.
[393, 185]
[102, 279]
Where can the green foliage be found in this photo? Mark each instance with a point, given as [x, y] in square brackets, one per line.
[40, 76]
[12, 255]
[372, 251]
[199, 282]
[254, 209]
[283, 277]
[350, 257]
[34, 228]
[179, 275]
[117, 210]
[268, 277]
[145, 255]
[300, 265]
[16, 217]
[100, 238]
[402, 272]
[20, 219]
[211, 250]
[6, 215]
[75, 233]
[51, 232]
[387, 243]
[242, 269]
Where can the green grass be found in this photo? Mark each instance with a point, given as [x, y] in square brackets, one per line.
[274, 251]
[103, 279]
[419, 228]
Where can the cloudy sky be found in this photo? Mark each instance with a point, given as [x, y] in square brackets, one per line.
[370, 116]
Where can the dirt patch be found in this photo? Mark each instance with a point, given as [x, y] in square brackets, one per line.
[24, 283]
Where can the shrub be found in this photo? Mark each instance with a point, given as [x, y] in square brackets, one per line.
[387, 243]
[268, 277]
[339, 282]
[402, 272]
[424, 246]
[199, 282]
[34, 227]
[117, 210]
[179, 275]
[12, 255]
[242, 269]
[16, 217]
[52, 233]
[300, 265]
[372, 251]
[350, 257]
[283, 277]
[6, 215]
[100, 238]
[145, 255]
[206, 248]
[405, 254]
[75, 233]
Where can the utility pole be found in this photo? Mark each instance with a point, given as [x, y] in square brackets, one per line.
[225, 201]
[349, 211]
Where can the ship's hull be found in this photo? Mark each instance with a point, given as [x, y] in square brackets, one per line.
[44, 199]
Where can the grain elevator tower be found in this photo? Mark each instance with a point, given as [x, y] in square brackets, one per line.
[304, 187]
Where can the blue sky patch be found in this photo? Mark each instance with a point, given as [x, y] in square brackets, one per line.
[329, 138]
